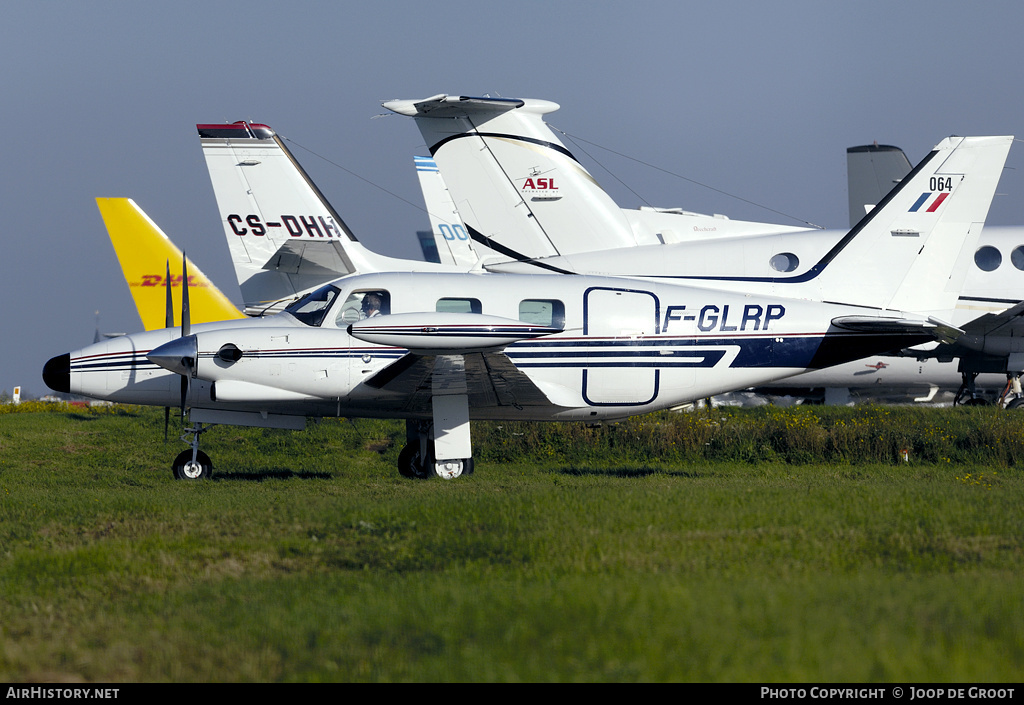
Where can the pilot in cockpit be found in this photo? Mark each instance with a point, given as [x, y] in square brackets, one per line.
[371, 306]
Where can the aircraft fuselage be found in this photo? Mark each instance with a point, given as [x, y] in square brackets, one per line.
[622, 347]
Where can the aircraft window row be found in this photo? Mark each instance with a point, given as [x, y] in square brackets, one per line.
[545, 312]
[367, 303]
[988, 258]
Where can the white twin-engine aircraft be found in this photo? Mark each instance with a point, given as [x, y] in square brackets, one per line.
[440, 349]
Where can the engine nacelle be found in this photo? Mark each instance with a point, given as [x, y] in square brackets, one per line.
[446, 333]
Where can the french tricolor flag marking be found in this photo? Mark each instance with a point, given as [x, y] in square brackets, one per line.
[926, 198]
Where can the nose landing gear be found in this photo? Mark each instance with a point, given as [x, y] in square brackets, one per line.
[192, 464]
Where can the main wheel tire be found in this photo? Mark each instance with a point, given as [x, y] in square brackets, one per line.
[1016, 403]
[410, 463]
[450, 469]
[184, 469]
[976, 401]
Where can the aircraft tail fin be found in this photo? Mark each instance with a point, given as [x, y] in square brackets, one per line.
[285, 238]
[520, 192]
[144, 252]
[450, 234]
[872, 171]
[914, 238]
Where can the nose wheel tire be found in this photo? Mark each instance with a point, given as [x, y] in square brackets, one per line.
[185, 468]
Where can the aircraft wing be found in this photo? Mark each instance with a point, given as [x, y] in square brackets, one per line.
[489, 379]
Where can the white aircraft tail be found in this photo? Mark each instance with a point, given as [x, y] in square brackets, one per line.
[872, 171]
[519, 191]
[450, 235]
[913, 238]
[284, 236]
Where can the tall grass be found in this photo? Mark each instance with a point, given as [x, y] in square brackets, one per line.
[804, 434]
[733, 545]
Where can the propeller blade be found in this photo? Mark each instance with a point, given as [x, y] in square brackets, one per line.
[169, 316]
[185, 382]
[185, 313]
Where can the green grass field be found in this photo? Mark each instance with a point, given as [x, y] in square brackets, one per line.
[739, 545]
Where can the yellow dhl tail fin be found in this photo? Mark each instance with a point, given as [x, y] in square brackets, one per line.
[144, 252]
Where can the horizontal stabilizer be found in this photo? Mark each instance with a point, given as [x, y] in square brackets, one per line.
[453, 106]
[316, 258]
[933, 327]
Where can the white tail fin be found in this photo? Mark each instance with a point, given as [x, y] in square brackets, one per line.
[914, 237]
[519, 191]
[450, 235]
[523, 195]
[284, 236]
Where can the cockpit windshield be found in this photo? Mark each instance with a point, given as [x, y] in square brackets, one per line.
[312, 307]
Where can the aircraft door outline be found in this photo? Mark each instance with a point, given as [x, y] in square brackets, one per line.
[619, 368]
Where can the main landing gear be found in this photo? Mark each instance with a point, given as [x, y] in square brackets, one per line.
[418, 457]
[1011, 398]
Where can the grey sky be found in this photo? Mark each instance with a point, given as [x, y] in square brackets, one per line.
[760, 100]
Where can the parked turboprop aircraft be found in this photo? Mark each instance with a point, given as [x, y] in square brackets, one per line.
[495, 152]
[446, 348]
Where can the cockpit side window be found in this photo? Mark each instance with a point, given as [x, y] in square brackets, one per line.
[453, 305]
[312, 307]
[363, 304]
[544, 312]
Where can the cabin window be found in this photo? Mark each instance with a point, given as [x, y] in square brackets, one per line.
[987, 258]
[784, 262]
[1017, 257]
[312, 307]
[365, 303]
[453, 305]
[542, 312]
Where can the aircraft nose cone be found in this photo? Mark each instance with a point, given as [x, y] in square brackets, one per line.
[178, 356]
[57, 373]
